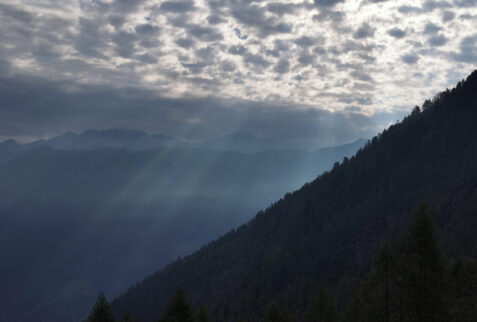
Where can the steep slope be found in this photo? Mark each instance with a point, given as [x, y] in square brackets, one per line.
[326, 232]
[74, 223]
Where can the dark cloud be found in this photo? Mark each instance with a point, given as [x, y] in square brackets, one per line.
[237, 50]
[206, 53]
[410, 59]
[185, 43]
[282, 67]
[364, 31]
[431, 5]
[90, 40]
[282, 9]
[177, 6]
[205, 33]
[326, 3]
[256, 60]
[437, 40]
[431, 28]
[279, 46]
[448, 16]
[146, 29]
[409, 9]
[362, 76]
[306, 58]
[228, 66]
[116, 21]
[195, 68]
[466, 3]
[397, 33]
[215, 19]
[254, 16]
[49, 107]
[125, 43]
[305, 41]
[147, 59]
[467, 50]
[15, 13]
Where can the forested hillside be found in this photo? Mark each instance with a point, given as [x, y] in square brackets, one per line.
[326, 233]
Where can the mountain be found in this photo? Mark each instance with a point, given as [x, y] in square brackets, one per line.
[326, 232]
[10, 149]
[76, 222]
[242, 142]
[247, 143]
[114, 138]
[139, 141]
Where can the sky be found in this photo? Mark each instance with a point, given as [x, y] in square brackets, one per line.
[324, 72]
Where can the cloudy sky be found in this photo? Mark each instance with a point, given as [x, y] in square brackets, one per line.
[322, 71]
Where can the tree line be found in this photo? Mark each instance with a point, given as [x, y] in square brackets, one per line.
[410, 281]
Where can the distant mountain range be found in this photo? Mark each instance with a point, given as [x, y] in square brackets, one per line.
[325, 233]
[97, 211]
[139, 141]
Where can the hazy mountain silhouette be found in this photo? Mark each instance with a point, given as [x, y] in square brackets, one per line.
[76, 222]
[326, 232]
[9, 149]
[243, 142]
[139, 141]
[114, 138]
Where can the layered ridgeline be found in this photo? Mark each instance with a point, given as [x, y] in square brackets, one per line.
[76, 222]
[134, 140]
[327, 232]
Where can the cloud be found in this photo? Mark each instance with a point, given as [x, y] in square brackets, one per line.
[466, 3]
[448, 16]
[205, 33]
[438, 40]
[282, 67]
[177, 6]
[431, 28]
[254, 16]
[256, 60]
[410, 59]
[320, 54]
[54, 108]
[326, 3]
[185, 43]
[468, 50]
[364, 31]
[146, 58]
[397, 33]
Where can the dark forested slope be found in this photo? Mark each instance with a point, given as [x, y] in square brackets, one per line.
[326, 232]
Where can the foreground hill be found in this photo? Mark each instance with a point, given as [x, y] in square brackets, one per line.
[326, 232]
[74, 223]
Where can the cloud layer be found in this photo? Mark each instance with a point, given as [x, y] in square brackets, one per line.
[325, 57]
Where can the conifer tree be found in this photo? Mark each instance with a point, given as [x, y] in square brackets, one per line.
[202, 314]
[322, 308]
[274, 314]
[360, 307]
[463, 289]
[178, 309]
[422, 270]
[384, 264]
[101, 311]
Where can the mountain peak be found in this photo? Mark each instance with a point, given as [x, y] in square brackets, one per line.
[9, 143]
